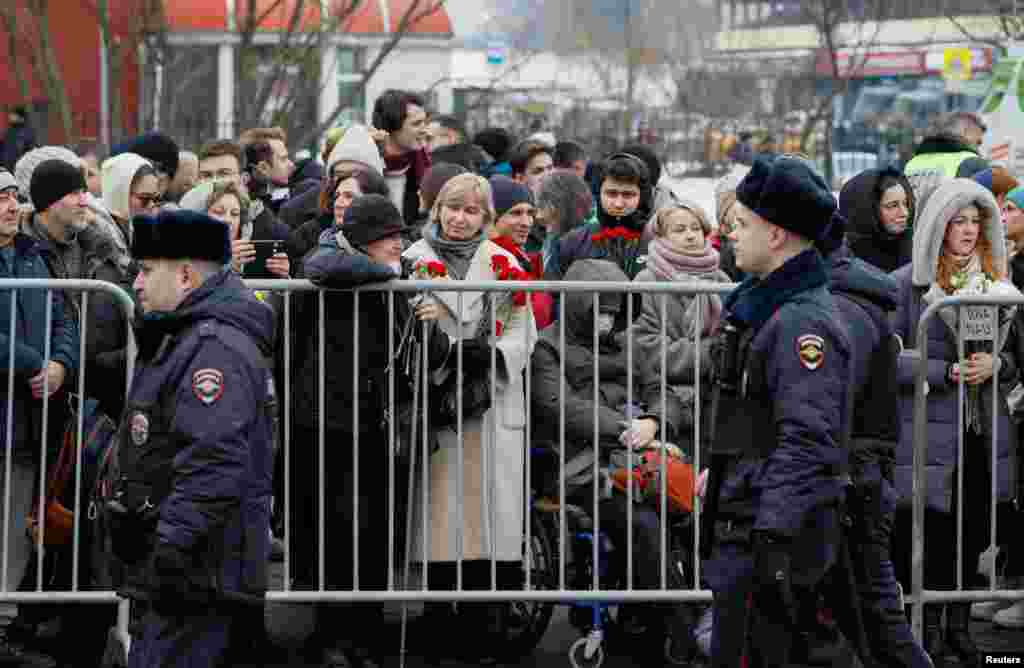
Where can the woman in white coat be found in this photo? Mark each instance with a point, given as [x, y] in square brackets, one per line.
[493, 449]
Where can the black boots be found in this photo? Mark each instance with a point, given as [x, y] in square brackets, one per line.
[958, 633]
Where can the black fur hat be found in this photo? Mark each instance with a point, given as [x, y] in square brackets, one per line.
[788, 192]
[180, 234]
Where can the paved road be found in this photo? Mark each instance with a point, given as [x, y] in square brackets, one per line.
[552, 652]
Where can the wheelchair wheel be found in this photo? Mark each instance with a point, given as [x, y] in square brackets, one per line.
[578, 654]
[529, 620]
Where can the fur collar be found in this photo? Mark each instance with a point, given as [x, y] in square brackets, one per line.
[754, 301]
[930, 229]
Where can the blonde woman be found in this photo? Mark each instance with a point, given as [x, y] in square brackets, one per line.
[493, 452]
[681, 251]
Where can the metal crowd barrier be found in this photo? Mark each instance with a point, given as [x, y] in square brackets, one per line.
[81, 291]
[975, 324]
[394, 591]
[535, 588]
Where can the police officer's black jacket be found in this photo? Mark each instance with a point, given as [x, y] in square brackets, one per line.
[866, 297]
[202, 393]
[784, 474]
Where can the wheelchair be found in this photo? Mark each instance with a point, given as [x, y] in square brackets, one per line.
[608, 627]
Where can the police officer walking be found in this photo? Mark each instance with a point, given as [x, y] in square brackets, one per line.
[866, 297]
[190, 511]
[772, 514]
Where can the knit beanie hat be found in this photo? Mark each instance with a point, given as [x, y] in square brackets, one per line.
[156, 147]
[356, 145]
[507, 194]
[371, 217]
[997, 179]
[1016, 196]
[788, 192]
[181, 234]
[434, 179]
[7, 180]
[27, 164]
[51, 181]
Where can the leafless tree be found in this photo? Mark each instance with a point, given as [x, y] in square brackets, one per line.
[1009, 22]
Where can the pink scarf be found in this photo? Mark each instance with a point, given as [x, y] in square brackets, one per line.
[669, 264]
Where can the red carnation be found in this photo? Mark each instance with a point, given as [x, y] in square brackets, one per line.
[437, 269]
[499, 327]
[519, 298]
[499, 263]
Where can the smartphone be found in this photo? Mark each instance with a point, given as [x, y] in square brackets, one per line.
[265, 249]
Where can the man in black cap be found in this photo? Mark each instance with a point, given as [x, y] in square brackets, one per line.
[782, 359]
[19, 140]
[190, 513]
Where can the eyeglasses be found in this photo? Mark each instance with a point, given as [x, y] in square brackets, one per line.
[149, 201]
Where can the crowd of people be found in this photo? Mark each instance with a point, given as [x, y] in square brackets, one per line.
[413, 196]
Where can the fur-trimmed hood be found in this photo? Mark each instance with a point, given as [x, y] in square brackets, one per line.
[940, 208]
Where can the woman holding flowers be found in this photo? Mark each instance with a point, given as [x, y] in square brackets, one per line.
[454, 248]
[959, 248]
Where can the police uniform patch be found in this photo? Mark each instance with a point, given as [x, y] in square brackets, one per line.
[811, 350]
[138, 427]
[208, 385]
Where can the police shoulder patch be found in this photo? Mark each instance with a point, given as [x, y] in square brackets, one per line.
[811, 350]
[208, 385]
[138, 428]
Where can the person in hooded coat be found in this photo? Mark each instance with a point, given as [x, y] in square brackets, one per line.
[627, 417]
[958, 237]
[879, 207]
[625, 201]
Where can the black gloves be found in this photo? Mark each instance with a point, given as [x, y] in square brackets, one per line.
[438, 345]
[773, 573]
[173, 578]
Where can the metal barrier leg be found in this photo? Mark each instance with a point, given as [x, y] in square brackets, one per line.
[124, 615]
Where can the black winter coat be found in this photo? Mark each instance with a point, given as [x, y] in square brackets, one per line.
[339, 269]
[300, 208]
[867, 298]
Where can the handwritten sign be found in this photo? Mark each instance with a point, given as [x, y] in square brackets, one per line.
[977, 323]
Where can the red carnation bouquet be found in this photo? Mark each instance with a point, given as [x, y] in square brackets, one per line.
[425, 270]
[503, 270]
[621, 245]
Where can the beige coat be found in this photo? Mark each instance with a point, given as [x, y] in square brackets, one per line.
[494, 450]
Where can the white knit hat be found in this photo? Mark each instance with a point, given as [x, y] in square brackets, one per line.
[24, 168]
[7, 180]
[356, 145]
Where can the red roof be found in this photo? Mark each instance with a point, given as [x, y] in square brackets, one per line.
[367, 19]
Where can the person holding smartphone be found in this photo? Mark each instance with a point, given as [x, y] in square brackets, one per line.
[257, 251]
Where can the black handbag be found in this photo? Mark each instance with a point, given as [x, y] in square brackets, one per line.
[476, 398]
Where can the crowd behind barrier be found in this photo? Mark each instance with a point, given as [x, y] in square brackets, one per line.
[542, 582]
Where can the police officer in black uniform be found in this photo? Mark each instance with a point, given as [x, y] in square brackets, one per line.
[190, 509]
[866, 297]
[783, 359]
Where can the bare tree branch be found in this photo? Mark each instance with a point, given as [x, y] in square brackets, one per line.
[409, 18]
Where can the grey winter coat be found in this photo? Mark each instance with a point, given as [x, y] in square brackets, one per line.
[680, 350]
